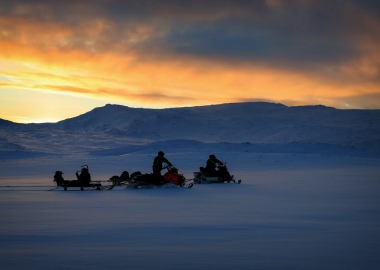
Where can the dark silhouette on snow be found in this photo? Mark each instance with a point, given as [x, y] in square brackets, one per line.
[158, 161]
[83, 180]
[211, 165]
[214, 172]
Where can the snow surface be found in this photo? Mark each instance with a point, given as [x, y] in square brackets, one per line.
[311, 204]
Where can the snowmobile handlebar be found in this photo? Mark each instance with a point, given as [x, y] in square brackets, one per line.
[170, 167]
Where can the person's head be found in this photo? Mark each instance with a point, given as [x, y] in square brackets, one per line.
[161, 154]
[212, 157]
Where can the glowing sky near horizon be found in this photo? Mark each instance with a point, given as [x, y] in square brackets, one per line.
[59, 59]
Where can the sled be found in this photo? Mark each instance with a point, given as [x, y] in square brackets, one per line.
[84, 180]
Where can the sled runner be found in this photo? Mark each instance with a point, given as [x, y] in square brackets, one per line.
[222, 176]
[74, 183]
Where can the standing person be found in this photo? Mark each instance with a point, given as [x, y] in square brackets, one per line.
[211, 165]
[157, 163]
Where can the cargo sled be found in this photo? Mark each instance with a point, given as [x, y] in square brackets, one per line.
[83, 180]
[118, 180]
[222, 176]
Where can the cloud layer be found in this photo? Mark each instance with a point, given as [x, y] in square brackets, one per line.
[176, 53]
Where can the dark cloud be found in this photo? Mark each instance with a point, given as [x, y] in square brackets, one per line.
[292, 33]
[295, 32]
[256, 44]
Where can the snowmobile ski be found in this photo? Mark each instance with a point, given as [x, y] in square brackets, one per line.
[202, 178]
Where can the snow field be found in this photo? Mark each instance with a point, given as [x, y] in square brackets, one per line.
[290, 212]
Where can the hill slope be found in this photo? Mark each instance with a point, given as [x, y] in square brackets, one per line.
[240, 122]
[258, 127]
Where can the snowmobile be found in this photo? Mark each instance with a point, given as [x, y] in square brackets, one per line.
[171, 178]
[222, 176]
[83, 180]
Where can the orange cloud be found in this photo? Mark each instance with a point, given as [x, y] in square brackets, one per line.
[173, 83]
[101, 59]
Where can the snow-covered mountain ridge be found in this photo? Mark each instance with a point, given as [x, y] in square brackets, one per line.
[254, 122]
[115, 128]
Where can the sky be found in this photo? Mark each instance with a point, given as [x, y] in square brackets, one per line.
[59, 59]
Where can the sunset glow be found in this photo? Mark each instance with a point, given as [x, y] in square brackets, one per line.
[56, 65]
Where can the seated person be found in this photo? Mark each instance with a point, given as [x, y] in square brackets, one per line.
[59, 178]
[211, 165]
[84, 177]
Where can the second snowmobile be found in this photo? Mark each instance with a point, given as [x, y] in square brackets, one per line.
[222, 176]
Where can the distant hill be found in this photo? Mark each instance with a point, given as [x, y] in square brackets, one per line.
[253, 126]
[6, 123]
[254, 122]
